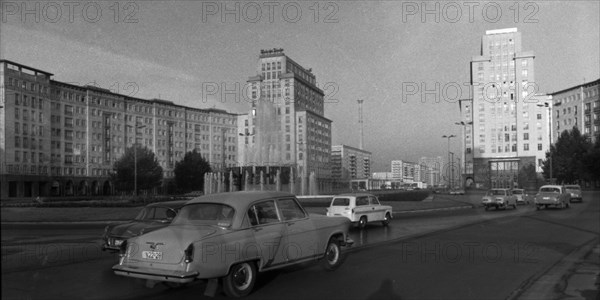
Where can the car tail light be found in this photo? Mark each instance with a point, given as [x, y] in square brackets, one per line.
[189, 253]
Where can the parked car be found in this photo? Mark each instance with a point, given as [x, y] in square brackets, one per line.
[360, 209]
[230, 237]
[552, 195]
[499, 198]
[575, 191]
[152, 217]
[457, 192]
[522, 196]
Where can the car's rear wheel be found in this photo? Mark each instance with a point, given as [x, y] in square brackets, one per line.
[333, 255]
[386, 219]
[240, 280]
[568, 204]
[362, 222]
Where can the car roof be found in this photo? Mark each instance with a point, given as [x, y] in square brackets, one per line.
[171, 204]
[550, 186]
[353, 195]
[239, 200]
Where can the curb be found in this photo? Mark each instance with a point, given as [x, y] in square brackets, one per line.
[432, 210]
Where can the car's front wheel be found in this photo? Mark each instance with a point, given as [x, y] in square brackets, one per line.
[240, 280]
[333, 255]
[386, 219]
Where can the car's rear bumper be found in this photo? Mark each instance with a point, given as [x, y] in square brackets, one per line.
[154, 274]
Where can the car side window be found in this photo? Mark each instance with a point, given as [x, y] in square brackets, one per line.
[290, 209]
[263, 213]
[374, 200]
[362, 201]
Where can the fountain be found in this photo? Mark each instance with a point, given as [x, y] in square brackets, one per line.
[278, 181]
[303, 183]
[246, 182]
[312, 184]
[262, 180]
[231, 184]
[292, 182]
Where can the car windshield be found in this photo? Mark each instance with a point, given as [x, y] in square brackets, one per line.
[205, 214]
[495, 192]
[550, 190]
[517, 192]
[156, 213]
[341, 202]
[573, 189]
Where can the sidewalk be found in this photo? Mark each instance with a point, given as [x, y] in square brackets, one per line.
[575, 277]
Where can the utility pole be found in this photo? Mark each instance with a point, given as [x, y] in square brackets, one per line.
[360, 124]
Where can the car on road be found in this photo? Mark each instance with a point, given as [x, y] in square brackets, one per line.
[552, 195]
[499, 198]
[152, 217]
[575, 191]
[228, 238]
[522, 196]
[457, 192]
[360, 209]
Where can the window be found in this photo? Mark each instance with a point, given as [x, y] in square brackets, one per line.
[540, 147]
[290, 209]
[526, 147]
[263, 213]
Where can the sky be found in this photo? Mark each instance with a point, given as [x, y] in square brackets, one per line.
[403, 58]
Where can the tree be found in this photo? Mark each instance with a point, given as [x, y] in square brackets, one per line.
[567, 156]
[189, 172]
[591, 161]
[527, 177]
[149, 171]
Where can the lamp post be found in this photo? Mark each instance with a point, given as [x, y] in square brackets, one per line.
[548, 105]
[135, 160]
[464, 146]
[449, 137]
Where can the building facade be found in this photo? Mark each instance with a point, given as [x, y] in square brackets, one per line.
[350, 163]
[407, 171]
[577, 106]
[510, 122]
[285, 125]
[431, 170]
[59, 139]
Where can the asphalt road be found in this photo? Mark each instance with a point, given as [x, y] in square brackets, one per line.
[462, 254]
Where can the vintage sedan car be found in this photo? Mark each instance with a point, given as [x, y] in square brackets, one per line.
[522, 197]
[499, 198]
[457, 192]
[552, 195]
[360, 208]
[152, 217]
[575, 191]
[229, 237]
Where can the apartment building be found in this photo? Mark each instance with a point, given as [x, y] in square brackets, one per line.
[60, 139]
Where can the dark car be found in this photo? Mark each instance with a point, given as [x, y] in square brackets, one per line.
[152, 217]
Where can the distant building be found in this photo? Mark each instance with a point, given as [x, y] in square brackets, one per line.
[60, 139]
[349, 162]
[577, 106]
[406, 171]
[382, 175]
[431, 170]
[285, 125]
[509, 129]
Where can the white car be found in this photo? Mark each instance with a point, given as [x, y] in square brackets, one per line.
[360, 208]
[521, 196]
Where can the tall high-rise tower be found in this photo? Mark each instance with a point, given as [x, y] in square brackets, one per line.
[509, 128]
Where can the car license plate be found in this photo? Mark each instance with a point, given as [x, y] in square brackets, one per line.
[118, 242]
[155, 255]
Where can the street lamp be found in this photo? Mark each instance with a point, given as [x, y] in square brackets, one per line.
[448, 137]
[135, 160]
[547, 105]
[464, 146]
